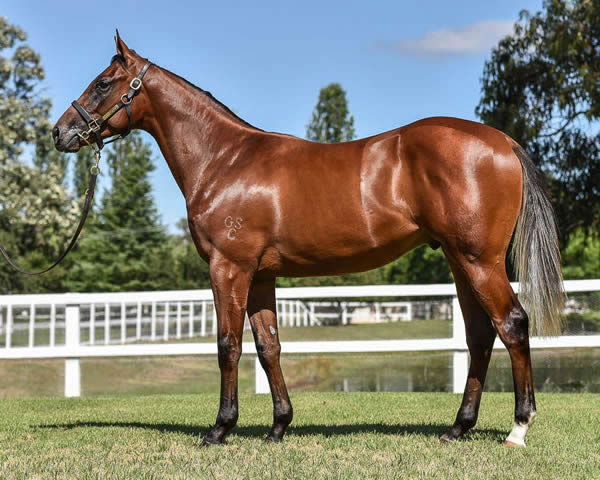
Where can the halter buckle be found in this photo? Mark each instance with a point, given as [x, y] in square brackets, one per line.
[125, 99]
[84, 135]
[93, 125]
[136, 84]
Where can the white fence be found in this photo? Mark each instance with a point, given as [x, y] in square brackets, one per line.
[73, 326]
[167, 319]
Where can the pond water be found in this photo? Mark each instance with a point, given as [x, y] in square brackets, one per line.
[565, 370]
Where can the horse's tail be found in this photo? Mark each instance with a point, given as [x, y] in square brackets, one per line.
[536, 255]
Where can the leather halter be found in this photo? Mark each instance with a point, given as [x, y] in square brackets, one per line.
[95, 126]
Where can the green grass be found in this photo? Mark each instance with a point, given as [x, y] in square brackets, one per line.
[434, 328]
[333, 436]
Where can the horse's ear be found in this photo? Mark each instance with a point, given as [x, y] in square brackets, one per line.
[122, 49]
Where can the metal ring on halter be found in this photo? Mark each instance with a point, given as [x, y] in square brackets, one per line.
[95, 170]
[124, 97]
[136, 83]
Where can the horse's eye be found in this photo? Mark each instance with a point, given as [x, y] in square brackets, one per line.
[103, 85]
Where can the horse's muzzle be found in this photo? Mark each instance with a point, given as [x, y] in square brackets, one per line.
[66, 139]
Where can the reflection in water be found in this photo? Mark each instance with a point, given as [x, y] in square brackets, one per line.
[568, 370]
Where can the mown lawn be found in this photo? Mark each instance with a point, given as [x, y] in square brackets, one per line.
[334, 436]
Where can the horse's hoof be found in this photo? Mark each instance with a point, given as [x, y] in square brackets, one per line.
[508, 443]
[446, 438]
[208, 442]
[273, 439]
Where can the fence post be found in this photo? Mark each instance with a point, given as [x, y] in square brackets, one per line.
[106, 323]
[298, 314]
[9, 325]
[166, 327]
[92, 334]
[260, 378]
[72, 366]
[123, 323]
[191, 320]
[31, 325]
[460, 357]
[52, 324]
[138, 321]
[203, 320]
[215, 320]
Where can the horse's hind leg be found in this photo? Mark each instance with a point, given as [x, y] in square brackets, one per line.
[480, 340]
[489, 284]
[263, 319]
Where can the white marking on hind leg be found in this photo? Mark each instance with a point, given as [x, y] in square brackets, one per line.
[519, 430]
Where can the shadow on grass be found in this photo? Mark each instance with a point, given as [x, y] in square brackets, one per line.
[254, 431]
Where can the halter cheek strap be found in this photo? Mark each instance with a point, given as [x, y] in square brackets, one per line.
[96, 125]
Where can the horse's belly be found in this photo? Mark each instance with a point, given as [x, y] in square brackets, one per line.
[344, 250]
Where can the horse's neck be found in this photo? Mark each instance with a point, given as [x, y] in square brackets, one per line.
[194, 132]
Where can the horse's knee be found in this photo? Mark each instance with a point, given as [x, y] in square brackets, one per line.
[268, 351]
[514, 330]
[268, 348]
[229, 350]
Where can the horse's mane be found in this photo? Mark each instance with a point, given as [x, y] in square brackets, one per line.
[209, 95]
[221, 105]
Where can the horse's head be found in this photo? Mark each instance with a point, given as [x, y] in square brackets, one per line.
[105, 108]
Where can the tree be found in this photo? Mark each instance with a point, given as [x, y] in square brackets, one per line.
[370, 277]
[581, 256]
[191, 270]
[422, 265]
[23, 113]
[47, 158]
[542, 87]
[81, 171]
[37, 214]
[126, 247]
[331, 121]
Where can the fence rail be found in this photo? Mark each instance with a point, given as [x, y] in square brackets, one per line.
[138, 316]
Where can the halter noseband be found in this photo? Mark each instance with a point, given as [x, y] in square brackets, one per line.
[96, 125]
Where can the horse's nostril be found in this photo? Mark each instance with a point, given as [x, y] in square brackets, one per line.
[55, 134]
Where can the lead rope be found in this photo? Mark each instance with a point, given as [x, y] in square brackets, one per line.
[95, 126]
[89, 196]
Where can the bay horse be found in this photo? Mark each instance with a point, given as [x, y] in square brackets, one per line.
[262, 205]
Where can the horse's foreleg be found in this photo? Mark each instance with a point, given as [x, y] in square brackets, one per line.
[262, 311]
[230, 286]
[480, 340]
